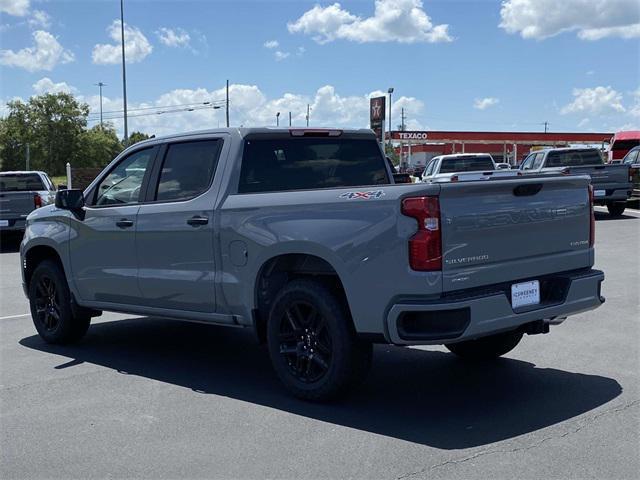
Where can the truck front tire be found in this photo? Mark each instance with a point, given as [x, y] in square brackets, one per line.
[312, 343]
[486, 348]
[616, 209]
[50, 303]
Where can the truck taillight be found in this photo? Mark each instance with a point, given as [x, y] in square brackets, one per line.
[592, 219]
[37, 201]
[425, 246]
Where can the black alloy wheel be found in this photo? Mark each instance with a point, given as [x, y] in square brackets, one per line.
[305, 342]
[47, 303]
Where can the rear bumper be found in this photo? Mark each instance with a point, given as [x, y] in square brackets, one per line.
[613, 195]
[478, 313]
[15, 225]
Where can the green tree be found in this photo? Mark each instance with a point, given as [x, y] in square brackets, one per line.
[98, 146]
[136, 137]
[51, 124]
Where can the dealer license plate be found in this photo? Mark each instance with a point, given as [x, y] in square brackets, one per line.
[599, 193]
[525, 293]
[4, 223]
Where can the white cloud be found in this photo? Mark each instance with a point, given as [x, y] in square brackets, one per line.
[281, 55]
[592, 19]
[271, 44]
[136, 46]
[251, 107]
[39, 19]
[483, 103]
[583, 122]
[46, 85]
[18, 8]
[173, 37]
[300, 51]
[634, 110]
[403, 21]
[594, 100]
[44, 55]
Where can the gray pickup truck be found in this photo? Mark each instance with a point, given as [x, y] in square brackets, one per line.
[612, 184]
[301, 236]
[20, 194]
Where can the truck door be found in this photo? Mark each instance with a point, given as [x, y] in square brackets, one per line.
[103, 242]
[175, 229]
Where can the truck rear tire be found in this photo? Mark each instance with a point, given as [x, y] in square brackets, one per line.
[486, 348]
[616, 209]
[312, 343]
[50, 303]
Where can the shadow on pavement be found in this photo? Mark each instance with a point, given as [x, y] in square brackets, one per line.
[10, 242]
[600, 216]
[419, 396]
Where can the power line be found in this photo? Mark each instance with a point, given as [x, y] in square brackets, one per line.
[158, 107]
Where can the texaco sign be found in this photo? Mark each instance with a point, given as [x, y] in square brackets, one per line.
[409, 135]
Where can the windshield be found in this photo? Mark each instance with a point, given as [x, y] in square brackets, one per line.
[20, 182]
[466, 164]
[574, 158]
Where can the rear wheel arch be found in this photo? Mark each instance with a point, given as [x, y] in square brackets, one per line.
[279, 270]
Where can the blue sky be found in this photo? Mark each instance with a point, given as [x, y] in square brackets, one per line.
[455, 65]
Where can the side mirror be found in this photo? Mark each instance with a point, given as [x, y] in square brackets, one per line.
[70, 200]
[62, 187]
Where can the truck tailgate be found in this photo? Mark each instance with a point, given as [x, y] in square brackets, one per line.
[604, 177]
[15, 205]
[504, 230]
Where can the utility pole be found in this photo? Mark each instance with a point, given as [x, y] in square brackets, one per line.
[28, 157]
[546, 124]
[277, 119]
[289, 118]
[308, 110]
[124, 75]
[390, 91]
[100, 84]
[403, 118]
[227, 104]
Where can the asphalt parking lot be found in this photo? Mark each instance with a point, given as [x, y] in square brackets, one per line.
[150, 398]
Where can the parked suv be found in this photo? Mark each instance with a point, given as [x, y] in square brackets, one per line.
[302, 237]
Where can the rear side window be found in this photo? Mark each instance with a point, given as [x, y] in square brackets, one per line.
[22, 182]
[574, 158]
[466, 164]
[187, 169]
[276, 164]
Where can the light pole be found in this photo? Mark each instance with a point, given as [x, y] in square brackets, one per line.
[277, 119]
[100, 84]
[124, 75]
[390, 91]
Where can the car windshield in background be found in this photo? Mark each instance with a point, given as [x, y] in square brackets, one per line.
[276, 164]
[574, 158]
[466, 164]
[21, 182]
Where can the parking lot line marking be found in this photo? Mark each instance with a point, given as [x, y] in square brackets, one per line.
[15, 316]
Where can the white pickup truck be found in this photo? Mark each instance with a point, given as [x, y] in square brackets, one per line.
[462, 166]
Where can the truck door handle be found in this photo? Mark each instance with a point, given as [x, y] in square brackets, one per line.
[124, 223]
[197, 220]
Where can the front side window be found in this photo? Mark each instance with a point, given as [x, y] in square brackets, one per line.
[538, 161]
[286, 163]
[527, 162]
[123, 184]
[187, 170]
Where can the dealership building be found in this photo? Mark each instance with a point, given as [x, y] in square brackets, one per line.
[416, 148]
